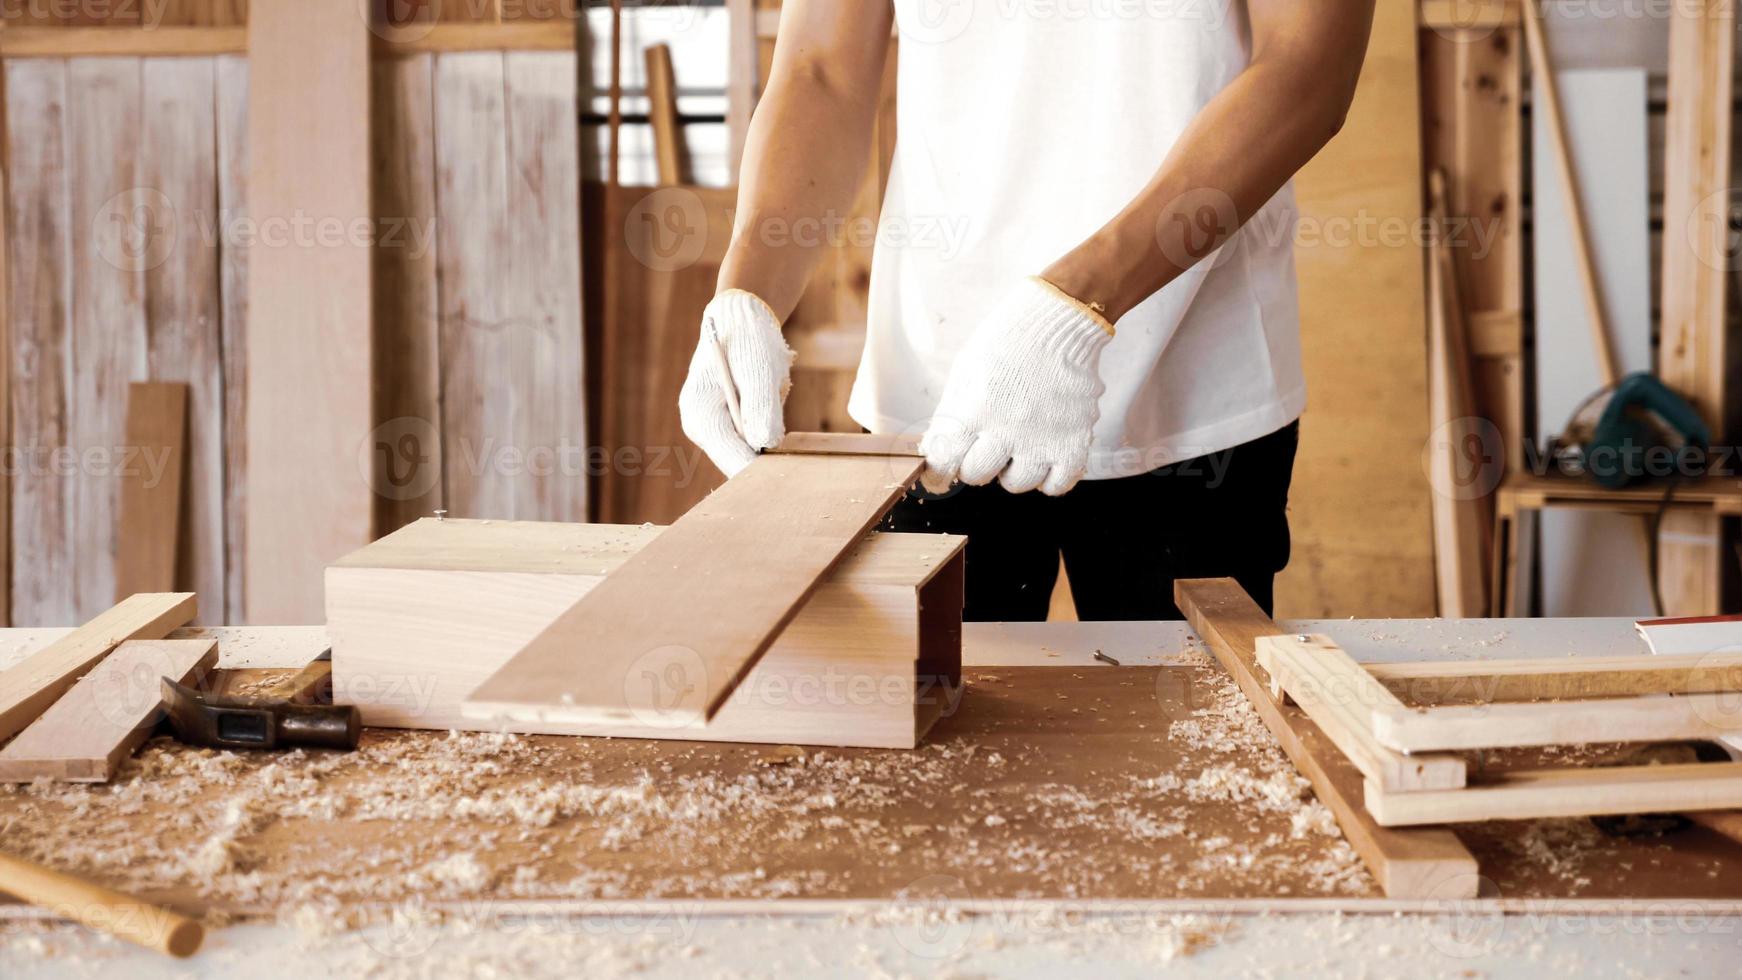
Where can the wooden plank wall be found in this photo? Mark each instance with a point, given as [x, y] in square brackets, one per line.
[477, 319]
[114, 241]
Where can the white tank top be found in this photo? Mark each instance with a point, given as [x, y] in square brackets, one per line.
[1025, 125]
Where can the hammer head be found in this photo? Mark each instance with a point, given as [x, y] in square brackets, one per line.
[216, 722]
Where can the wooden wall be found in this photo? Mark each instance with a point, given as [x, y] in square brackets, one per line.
[127, 240]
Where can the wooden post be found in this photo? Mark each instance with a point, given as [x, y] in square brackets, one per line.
[310, 348]
[1695, 262]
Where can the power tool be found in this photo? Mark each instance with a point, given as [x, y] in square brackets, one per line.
[1633, 431]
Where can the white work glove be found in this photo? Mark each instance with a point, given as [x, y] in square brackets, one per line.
[731, 403]
[1022, 398]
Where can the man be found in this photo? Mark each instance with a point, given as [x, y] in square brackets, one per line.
[1121, 309]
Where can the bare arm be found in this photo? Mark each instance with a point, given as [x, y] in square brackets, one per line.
[1242, 148]
[808, 144]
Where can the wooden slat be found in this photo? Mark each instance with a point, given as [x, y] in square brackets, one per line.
[1407, 864]
[106, 716]
[1549, 793]
[178, 162]
[669, 635]
[509, 274]
[1558, 678]
[1342, 699]
[39, 303]
[1466, 15]
[29, 687]
[668, 135]
[6, 341]
[148, 533]
[310, 346]
[1692, 356]
[850, 443]
[743, 78]
[161, 41]
[232, 140]
[408, 444]
[1481, 726]
[530, 35]
[119, 232]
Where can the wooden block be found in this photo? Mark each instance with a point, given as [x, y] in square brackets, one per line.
[703, 601]
[1558, 678]
[1479, 726]
[1407, 864]
[28, 688]
[1546, 793]
[879, 641]
[151, 499]
[1342, 698]
[107, 715]
[310, 337]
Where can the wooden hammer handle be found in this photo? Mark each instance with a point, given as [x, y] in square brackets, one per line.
[129, 918]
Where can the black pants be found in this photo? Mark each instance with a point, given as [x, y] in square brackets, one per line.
[1124, 541]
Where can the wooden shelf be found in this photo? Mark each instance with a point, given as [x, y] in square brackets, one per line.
[1721, 494]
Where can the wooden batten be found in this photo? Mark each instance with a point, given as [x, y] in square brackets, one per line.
[871, 659]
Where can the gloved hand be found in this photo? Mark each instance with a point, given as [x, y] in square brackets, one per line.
[731, 403]
[1021, 401]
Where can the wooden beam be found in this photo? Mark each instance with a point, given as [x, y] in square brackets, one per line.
[1696, 232]
[107, 715]
[1341, 698]
[1407, 864]
[1651, 718]
[7, 345]
[310, 345]
[148, 535]
[1548, 793]
[524, 35]
[1469, 15]
[1558, 678]
[29, 687]
[668, 133]
[671, 633]
[743, 77]
[82, 42]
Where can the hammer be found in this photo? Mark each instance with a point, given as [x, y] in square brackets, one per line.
[218, 722]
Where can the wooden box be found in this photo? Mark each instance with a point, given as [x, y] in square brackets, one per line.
[421, 617]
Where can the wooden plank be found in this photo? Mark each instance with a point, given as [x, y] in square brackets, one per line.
[232, 140]
[178, 162]
[310, 345]
[408, 444]
[29, 687]
[1407, 864]
[1467, 15]
[850, 443]
[743, 79]
[159, 41]
[119, 232]
[1375, 560]
[1550, 793]
[1692, 354]
[1558, 678]
[527, 35]
[695, 610]
[39, 311]
[668, 135]
[107, 715]
[509, 274]
[1342, 699]
[6, 344]
[1462, 517]
[1651, 718]
[148, 534]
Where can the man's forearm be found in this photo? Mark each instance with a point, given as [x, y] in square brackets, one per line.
[803, 161]
[1239, 151]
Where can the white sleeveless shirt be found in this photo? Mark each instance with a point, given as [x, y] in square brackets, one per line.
[1025, 125]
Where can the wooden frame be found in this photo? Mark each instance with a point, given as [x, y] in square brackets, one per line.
[1365, 719]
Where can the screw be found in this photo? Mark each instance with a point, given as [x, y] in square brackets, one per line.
[441, 515]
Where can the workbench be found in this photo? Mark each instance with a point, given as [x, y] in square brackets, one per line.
[981, 852]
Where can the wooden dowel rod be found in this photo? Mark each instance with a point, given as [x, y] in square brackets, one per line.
[124, 916]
